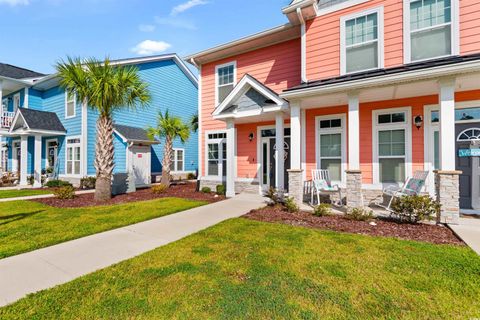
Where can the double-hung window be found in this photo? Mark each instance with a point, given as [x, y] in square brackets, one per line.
[216, 154]
[73, 164]
[362, 41]
[431, 29]
[331, 145]
[178, 160]
[3, 160]
[70, 103]
[225, 80]
[392, 132]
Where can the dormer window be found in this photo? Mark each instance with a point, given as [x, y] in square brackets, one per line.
[362, 41]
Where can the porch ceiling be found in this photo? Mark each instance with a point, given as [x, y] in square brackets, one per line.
[411, 89]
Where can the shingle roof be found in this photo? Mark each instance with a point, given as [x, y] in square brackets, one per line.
[42, 120]
[9, 71]
[132, 133]
[388, 71]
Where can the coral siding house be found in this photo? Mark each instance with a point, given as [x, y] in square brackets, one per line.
[42, 127]
[371, 90]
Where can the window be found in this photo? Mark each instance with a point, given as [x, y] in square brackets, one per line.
[362, 41]
[177, 160]
[331, 145]
[4, 160]
[216, 154]
[73, 150]
[70, 103]
[430, 29]
[392, 134]
[225, 80]
[461, 115]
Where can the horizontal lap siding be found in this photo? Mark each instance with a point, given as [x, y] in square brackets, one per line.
[323, 38]
[469, 26]
[277, 66]
[366, 129]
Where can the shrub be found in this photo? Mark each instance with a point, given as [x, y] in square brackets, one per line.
[88, 183]
[65, 193]
[206, 190]
[191, 176]
[30, 179]
[58, 184]
[322, 210]
[415, 208]
[159, 189]
[291, 205]
[221, 190]
[359, 214]
[273, 195]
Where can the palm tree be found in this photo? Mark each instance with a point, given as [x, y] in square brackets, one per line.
[170, 128]
[106, 88]
[194, 122]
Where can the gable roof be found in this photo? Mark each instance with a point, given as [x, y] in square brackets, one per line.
[35, 121]
[13, 72]
[257, 97]
[133, 134]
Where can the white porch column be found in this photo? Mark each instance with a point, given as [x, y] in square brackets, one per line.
[447, 124]
[230, 192]
[295, 174]
[354, 174]
[1, 98]
[38, 162]
[23, 160]
[279, 152]
[353, 132]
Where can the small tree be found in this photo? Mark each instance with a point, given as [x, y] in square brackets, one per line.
[169, 128]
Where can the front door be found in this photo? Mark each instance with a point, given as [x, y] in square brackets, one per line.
[140, 156]
[18, 159]
[268, 163]
[467, 161]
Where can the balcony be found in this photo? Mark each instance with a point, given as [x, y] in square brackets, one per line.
[6, 119]
[322, 4]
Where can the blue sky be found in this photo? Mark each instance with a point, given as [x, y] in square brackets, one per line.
[36, 33]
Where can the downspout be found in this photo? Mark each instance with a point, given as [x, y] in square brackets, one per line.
[303, 38]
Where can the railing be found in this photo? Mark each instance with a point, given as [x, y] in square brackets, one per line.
[327, 3]
[6, 119]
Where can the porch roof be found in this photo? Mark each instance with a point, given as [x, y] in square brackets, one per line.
[14, 72]
[30, 121]
[133, 134]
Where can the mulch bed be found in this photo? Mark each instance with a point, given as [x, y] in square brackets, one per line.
[185, 190]
[419, 232]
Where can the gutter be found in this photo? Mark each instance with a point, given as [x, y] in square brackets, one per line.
[442, 71]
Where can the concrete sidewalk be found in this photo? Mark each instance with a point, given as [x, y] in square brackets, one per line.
[468, 229]
[42, 196]
[48, 267]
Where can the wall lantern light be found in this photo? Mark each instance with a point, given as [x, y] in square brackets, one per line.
[251, 136]
[418, 121]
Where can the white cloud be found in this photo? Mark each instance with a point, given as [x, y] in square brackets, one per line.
[176, 23]
[15, 2]
[146, 28]
[186, 6]
[149, 47]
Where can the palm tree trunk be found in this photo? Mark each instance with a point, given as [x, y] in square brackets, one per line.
[167, 160]
[104, 154]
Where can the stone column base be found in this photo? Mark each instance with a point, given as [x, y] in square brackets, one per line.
[295, 185]
[447, 189]
[354, 189]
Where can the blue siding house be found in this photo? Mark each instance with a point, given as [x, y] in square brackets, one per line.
[42, 127]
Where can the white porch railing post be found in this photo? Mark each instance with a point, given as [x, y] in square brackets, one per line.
[279, 152]
[230, 192]
[23, 161]
[38, 162]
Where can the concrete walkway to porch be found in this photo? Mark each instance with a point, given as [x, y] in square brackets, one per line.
[468, 229]
[48, 267]
[42, 196]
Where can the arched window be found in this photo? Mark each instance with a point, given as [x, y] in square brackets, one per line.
[472, 134]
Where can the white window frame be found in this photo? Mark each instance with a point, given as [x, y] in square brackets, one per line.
[175, 160]
[74, 106]
[376, 127]
[343, 131]
[4, 159]
[455, 29]
[73, 145]
[46, 151]
[217, 67]
[17, 100]
[380, 38]
[220, 142]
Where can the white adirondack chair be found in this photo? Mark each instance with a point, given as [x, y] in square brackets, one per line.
[412, 186]
[322, 185]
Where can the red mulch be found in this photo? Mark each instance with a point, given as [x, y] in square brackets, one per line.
[184, 190]
[419, 232]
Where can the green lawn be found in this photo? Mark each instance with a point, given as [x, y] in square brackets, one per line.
[25, 225]
[4, 194]
[249, 269]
